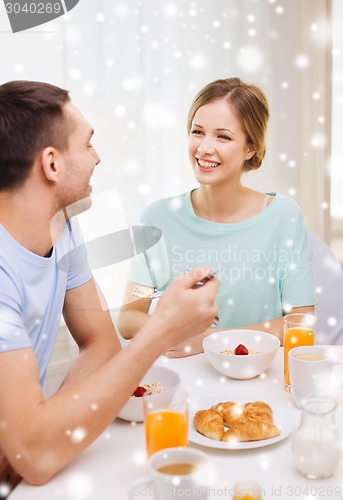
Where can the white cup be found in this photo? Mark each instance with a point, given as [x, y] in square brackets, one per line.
[310, 369]
[173, 473]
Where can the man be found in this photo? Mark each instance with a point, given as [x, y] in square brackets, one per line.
[46, 162]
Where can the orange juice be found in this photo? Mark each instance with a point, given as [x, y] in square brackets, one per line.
[295, 337]
[247, 497]
[165, 429]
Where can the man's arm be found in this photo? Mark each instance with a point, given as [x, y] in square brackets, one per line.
[194, 344]
[39, 437]
[90, 324]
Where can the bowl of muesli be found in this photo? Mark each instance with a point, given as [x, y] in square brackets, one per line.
[241, 354]
[155, 381]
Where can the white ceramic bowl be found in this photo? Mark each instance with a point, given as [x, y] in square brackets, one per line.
[133, 409]
[241, 366]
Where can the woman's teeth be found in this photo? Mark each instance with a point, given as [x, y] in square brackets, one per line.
[207, 164]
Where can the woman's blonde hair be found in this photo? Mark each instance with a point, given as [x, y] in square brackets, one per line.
[251, 107]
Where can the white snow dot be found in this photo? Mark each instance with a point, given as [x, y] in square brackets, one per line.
[144, 189]
[292, 191]
[279, 9]
[250, 59]
[287, 308]
[80, 486]
[120, 111]
[88, 89]
[198, 61]
[199, 382]
[321, 119]
[316, 96]
[264, 464]
[94, 406]
[332, 321]
[251, 18]
[314, 27]
[302, 61]
[139, 457]
[318, 141]
[292, 163]
[132, 84]
[227, 45]
[155, 45]
[282, 156]
[188, 349]
[78, 435]
[120, 9]
[171, 10]
[176, 481]
[318, 289]
[284, 85]
[4, 490]
[75, 74]
[252, 32]
[216, 24]
[324, 205]
[100, 18]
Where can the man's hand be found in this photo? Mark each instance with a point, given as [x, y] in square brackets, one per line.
[186, 310]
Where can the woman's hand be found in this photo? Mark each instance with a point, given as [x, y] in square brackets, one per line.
[189, 347]
[9, 478]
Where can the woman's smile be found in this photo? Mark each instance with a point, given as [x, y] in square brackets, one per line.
[206, 165]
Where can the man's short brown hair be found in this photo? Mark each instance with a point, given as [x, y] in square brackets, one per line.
[31, 118]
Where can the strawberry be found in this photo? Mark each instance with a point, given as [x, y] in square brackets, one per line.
[139, 392]
[241, 350]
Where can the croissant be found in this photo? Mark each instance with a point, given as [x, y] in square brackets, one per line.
[250, 422]
[209, 423]
[229, 411]
[255, 423]
[249, 431]
[258, 410]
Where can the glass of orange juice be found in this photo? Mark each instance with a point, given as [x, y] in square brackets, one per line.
[299, 329]
[165, 419]
[247, 490]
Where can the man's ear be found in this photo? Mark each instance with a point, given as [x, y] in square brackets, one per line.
[51, 163]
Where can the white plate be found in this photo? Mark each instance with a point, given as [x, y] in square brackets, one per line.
[285, 416]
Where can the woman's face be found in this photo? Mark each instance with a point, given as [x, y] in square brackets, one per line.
[217, 145]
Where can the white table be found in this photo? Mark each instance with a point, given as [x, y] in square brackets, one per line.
[107, 468]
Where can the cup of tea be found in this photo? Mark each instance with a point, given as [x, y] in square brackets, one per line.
[299, 330]
[310, 369]
[165, 419]
[174, 473]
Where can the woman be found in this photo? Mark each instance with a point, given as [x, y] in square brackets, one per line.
[258, 243]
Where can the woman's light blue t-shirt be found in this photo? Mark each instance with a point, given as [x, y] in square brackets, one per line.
[265, 263]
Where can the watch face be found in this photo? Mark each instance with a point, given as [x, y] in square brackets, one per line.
[26, 14]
